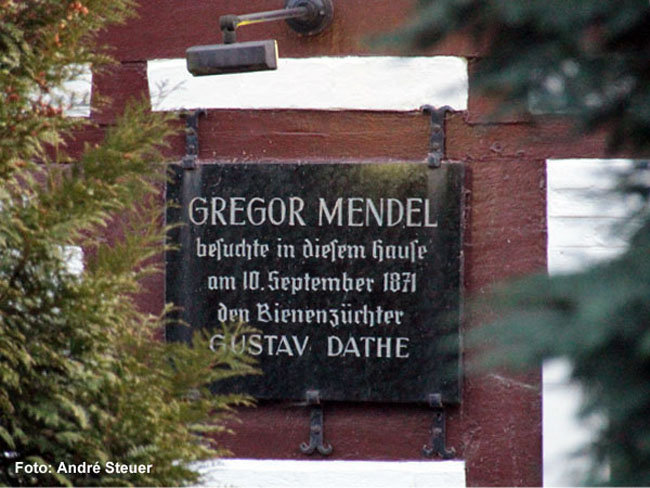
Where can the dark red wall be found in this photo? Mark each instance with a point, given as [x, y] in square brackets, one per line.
[497, 428]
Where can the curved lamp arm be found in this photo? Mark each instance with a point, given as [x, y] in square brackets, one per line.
[306, 17]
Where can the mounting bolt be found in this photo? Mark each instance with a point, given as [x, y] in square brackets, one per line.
[312, 24]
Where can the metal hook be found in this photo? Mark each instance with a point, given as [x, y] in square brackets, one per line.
[315, 427]
[438, 430]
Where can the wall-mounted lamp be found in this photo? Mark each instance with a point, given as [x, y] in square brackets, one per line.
[307, 17]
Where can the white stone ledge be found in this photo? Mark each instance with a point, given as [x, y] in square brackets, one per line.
[324, 83]
[253, 473]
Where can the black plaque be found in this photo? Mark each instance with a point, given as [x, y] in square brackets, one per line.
[351, 273]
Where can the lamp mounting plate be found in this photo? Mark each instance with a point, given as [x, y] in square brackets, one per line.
[321, 13]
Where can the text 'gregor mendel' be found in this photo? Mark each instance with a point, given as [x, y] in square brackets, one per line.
[289, 211]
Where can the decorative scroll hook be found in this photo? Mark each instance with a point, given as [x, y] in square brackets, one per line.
[438, 430]
[315, 427]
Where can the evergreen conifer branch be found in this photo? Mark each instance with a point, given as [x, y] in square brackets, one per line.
[83, 378]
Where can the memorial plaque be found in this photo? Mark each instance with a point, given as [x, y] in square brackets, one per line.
[350, 272]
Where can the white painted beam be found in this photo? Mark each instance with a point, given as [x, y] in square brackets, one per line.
[584, 221]
[73, 97]
[325, 83]
[252, 473]
[585, 216]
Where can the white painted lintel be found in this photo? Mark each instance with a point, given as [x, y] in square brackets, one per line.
[323, 83]
[254, 473]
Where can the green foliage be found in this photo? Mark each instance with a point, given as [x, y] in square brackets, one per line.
[82, 377]
[43, 44]
[582, 57]
[589, 61]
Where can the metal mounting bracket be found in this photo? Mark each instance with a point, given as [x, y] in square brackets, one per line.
[437, 137]
[306, 17]
[438, 430]
[191, 138]
[315, 427]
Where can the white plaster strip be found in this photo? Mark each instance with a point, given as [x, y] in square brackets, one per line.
[585, 173]
[582, 214]
[324, 83]
[73, 257]
[74, 95]
[251, 473]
